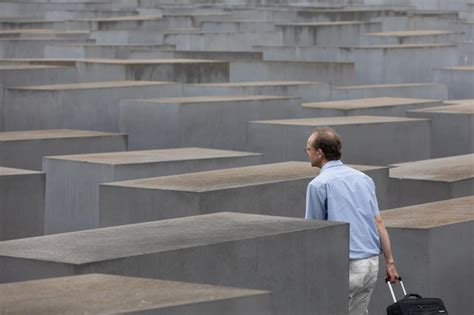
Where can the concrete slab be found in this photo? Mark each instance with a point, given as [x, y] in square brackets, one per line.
[44, 33]
[271, 189]
[176, 70]
[424, 235]
[22, 206]
[376, 64]
[32, 47]
[459, 80]
[382, 106]
[335, 33]
[25, 149]
[207, 121]
[404, 90]
[331, 72]
[452, 128]
[72, 186]
[17, 75]
[221, 41]
[411, 37]
[90, 106]
[430, 180]
[230, 249]
[235, 26]
[369, 140]
[306, 91]
[408, 90]
[127, 295]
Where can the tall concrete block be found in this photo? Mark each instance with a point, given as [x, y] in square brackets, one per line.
[369, 140]
[411, 37]
[175, 70]
[89, 106]
[339, 33]
[128, 295]
[330, 72]
[452, 128]
[72, 185]
[207, 121]
[382, 106]
[21, 203]
[431, 180]
[26, 149]
[270, 189]
[459, 80]
[307, 91]
[405, 90]
[432, 245]
[32, 47]
[289, 257]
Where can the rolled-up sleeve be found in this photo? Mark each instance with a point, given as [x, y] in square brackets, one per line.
[316, 196]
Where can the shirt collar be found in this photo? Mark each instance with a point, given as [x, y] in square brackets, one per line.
[330, 164]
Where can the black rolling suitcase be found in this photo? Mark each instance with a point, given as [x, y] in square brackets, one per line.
[413, 304]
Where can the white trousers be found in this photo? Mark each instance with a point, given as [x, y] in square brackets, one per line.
[362, 277]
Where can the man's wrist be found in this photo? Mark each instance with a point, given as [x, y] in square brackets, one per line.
[390, 262]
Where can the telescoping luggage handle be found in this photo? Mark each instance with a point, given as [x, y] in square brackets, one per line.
[391, 289]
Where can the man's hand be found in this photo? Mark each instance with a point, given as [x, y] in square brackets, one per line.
[391, 272]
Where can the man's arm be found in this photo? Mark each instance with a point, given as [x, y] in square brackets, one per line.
[315, 202]
[391, 271]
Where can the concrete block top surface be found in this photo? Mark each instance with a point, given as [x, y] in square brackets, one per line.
[255, 83]
[107, 294]
[42, 32]
[92, 85]
[122, 18]
[151, 61]
[211, 99]
[7, 171]
[231, 178]
[412, 33]
[367, 103]
[153, 237]
[448, 169]
[463, 108]
[405, 46]
[433, 214]
[152, 156]
[459, 102]
[388, 85]
[51, 134]
[336, 23]
[28, 67]
[460, 68]
[343, 120]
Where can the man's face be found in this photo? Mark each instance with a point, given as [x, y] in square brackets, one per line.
[315, 157]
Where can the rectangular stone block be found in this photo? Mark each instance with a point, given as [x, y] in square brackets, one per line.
[44, 34]
[338, 33]
[21, 75]
[206, 121]
[307, 91]
[31, 47]
[369, 140]
[175, 70]
[431, 180]
[72, 186]
[289, 257]
[330, 72]
[432, 245]
[129, 295]
[408, 90]
[452, 128]
[270, 189]
[459, 80]
[411, 37]
[22, 203]
[89, 106]
[381, 106]
[26, 149]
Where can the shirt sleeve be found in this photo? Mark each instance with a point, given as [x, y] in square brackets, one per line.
[373, 199]
[316, 196]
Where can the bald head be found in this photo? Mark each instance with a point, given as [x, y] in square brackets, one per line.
[328, 141]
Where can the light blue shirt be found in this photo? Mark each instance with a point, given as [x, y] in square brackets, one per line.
[341, 193]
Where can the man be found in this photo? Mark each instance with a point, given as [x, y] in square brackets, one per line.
[343, 194]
